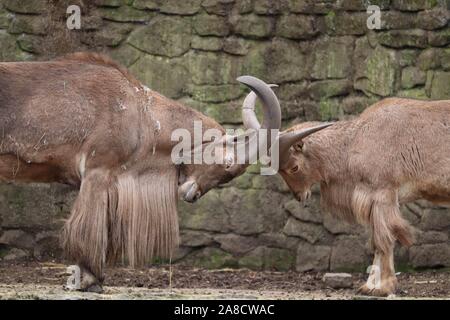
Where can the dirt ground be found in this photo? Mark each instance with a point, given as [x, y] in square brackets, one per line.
[34, 280]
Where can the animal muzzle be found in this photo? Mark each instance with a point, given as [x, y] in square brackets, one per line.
[189, 191]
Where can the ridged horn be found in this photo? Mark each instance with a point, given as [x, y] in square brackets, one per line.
[248, 111]
[287, 139]
[270, 103]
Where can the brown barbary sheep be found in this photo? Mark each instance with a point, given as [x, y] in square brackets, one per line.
[82, 120]
[396, 151]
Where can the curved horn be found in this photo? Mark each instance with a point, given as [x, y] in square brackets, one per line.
[287, 139]
[248, 111]
[270, 103]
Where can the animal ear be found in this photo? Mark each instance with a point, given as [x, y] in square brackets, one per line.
[292, 138]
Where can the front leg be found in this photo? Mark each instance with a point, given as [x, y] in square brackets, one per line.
[85, 234]
[89, 282]
[387, 226]
[83, 280]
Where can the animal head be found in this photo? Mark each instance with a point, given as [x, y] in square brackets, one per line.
[297, 164]
[197, 179]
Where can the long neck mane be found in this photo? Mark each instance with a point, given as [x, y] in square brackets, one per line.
[329, 150]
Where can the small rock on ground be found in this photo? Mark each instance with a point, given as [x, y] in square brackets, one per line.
[338, 280]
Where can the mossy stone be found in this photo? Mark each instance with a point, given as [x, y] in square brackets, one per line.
[273, 62]
[330, 109]
[218, 7]
[224, 113]
[125, 14]
[178, 7]
[344, 23]
[5, 19]
[412, 76]
[297, 27]
[404, 38]
[310, 6]
[416, 93]
[268, 259]
[332, 58]
[212, 258]
[207, 43]
[110, 3]
[211, 68]
[438, 83]
[329, 88]
[28, 24]
[267, 7]
[164, 36]
[112, 35]
[34, 206]
[381, 71]
[253, 26]
[28, 7]
[126, 55]
[407, 57]
[445, 59]
[9, 49]
[216, 93]
[439, 38]
[209, 213]
[428, 59]
[29, 43]
[167, 76]
[210, 25]
[414, 5]
[278, 259]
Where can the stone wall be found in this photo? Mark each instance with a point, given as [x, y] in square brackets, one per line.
[329, 66]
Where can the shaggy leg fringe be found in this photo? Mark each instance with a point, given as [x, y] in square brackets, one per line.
[145, 223]
[132, 218]
[85, 234]
[380, 210]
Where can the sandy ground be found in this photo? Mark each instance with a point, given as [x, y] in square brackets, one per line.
[34, 280]
[54, 292]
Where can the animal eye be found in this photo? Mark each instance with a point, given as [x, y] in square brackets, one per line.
[294, 169]
[298, 146]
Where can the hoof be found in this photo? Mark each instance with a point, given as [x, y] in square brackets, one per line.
[387, 288]
[366, 291]
[95, 288]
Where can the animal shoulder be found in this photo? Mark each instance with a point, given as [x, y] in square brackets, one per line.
[391, 106]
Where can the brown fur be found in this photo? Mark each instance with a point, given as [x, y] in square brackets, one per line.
[83, 120]
[132, 219]
[397, 151]
[85, 234]
[100, 59]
